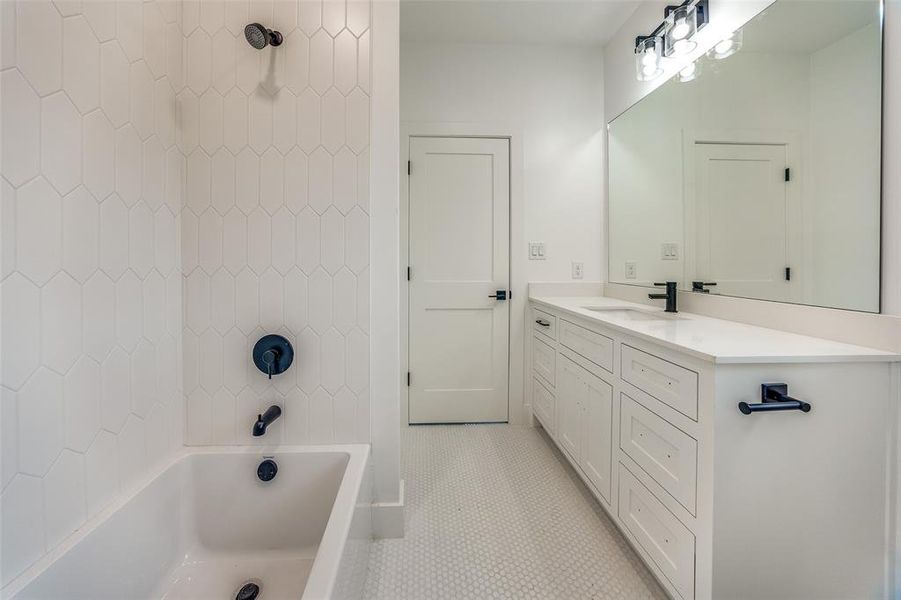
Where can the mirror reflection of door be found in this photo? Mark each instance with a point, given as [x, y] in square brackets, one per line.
[743, 229]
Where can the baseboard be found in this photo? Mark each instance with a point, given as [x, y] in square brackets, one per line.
[388, 517]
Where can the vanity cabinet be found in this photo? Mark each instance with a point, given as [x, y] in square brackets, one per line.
[720, 504]
[585, 422]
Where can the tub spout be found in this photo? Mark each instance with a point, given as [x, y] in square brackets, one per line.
[265, 420]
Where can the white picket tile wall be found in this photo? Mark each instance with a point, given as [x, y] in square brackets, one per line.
[91, 284]
[275, 225]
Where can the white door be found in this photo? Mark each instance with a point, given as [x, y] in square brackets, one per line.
[743, 229]
[459, 258]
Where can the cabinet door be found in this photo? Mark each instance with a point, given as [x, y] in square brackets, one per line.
[570, 390]
[597, 445]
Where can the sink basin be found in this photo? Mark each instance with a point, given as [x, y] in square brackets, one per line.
[632, 314]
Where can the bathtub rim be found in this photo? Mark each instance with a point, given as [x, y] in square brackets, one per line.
[322, 575]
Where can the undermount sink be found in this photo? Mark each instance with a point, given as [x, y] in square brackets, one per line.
[632, 314]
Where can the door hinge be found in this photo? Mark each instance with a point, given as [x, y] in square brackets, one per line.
[409, 167]
[788, 273]
[408, 379]
[788, 174]
[409, 273]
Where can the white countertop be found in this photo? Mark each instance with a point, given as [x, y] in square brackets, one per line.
[716, 340]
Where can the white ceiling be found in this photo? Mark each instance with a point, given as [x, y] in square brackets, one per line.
[577, 22]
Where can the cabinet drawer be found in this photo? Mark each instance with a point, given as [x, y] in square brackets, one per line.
[545, 323]
[673, 385]
[667, 454]
[544, 359]
[595, 347]
[543, 405]
[668, 543]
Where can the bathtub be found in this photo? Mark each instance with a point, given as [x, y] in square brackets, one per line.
[206, 525]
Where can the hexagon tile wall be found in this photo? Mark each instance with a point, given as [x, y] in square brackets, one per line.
[140, 137]
[91, 284]
[275, 230]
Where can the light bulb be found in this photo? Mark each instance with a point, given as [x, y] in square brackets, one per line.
[649, 58]
[683, 47]
[649, 70]
[723, 47]
[680, 29]
[688, 71]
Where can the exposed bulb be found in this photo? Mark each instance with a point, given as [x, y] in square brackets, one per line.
[649, 58]
[682, 47]
[680, 29]
[649, 70]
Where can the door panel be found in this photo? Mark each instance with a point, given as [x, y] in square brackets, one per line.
[459, 256]
[743, 226]
[597, 450]
[570, 390]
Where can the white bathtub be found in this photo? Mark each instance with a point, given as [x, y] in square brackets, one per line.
[206, 525]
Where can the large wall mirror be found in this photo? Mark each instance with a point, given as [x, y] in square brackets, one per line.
[759, 169]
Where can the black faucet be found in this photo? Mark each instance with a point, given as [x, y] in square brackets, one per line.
[669, 296]
[265, 420]
[701, 286]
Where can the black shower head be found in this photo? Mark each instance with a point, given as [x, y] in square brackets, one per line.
[259, 37]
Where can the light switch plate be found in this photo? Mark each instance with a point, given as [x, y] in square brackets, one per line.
[631, 269]
[578, 270]
[669, 251]
[536, 251]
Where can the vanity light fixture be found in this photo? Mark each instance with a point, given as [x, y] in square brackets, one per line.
[681, 25]
[727, 46]
[648, 53]
[673, 37]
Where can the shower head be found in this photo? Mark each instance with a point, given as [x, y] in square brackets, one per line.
[259, 37]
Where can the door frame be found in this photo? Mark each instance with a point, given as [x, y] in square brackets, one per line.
[798, 250]
[518, 285]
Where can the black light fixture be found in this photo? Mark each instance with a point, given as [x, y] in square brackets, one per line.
[673, 37]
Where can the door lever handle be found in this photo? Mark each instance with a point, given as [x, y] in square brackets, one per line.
[499, 295]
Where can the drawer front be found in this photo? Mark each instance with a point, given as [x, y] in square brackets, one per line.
[667, 454]
[544, 359]
[545, 323]
[595, 347]
[668, 543]
[544, 405]
[673, 385]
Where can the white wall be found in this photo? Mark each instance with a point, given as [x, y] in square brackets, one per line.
[275, 227]
[91, 289]
[553, 97]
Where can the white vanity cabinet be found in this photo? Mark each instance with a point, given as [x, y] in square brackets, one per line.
[718, 503]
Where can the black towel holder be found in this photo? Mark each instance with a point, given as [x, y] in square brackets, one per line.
[774, 397]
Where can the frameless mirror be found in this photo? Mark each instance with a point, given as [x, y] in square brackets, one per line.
[757, 169]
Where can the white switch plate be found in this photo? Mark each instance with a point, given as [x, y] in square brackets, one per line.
[631, 269]
[578, 270]
[536, 251]
[669, 251]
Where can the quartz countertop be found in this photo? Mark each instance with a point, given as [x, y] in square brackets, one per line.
[710, 339]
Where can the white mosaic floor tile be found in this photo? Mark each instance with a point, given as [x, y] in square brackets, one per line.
[494, 511]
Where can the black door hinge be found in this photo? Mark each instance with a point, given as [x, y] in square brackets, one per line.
[409, 274]
[788, 174]
[408, 379]
[788, 273]
[409, 167]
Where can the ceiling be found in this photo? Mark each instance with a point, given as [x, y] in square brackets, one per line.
[576, 22]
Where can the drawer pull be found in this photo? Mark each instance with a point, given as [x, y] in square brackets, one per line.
[775, 397]
[542, 322]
